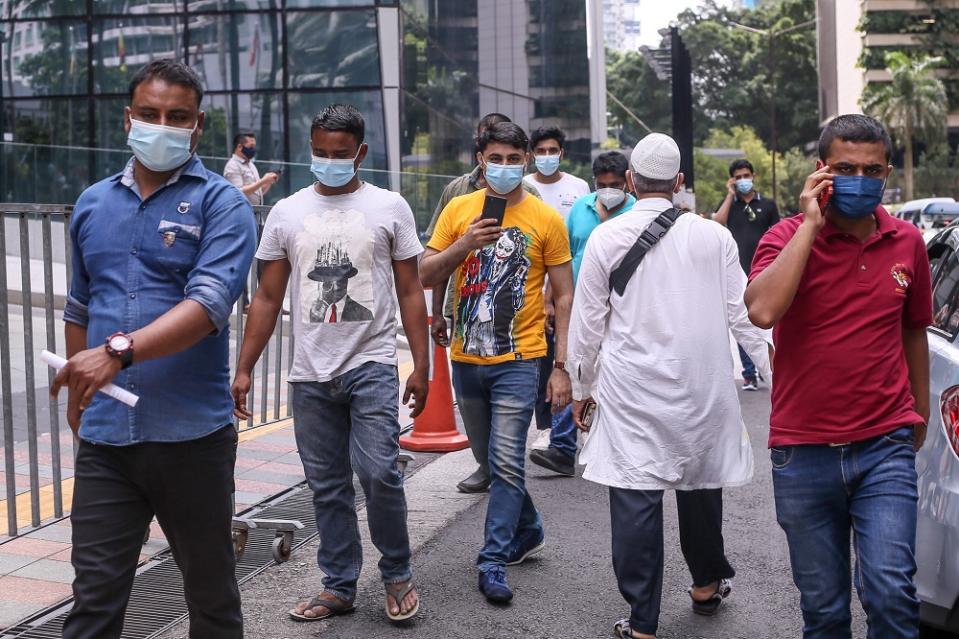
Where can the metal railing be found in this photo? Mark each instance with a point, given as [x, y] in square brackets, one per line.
[36, 446]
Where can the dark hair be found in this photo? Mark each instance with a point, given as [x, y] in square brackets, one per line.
[649, 185]
[489, 120]
[340, 117]
[547, 133]
[610, 162]
[504, 133]
[853, 128]
[169, 71]
[735, 165]
[241, 137]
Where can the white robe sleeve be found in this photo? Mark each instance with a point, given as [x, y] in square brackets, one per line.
[587, 325]
[754, 340]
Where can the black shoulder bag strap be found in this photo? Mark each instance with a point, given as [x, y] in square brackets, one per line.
[650, 236]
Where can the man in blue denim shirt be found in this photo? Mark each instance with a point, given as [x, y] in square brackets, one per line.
[160, 255]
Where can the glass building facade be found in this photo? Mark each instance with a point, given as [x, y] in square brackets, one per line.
[421, 71]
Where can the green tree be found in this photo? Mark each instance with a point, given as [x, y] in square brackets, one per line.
[912, 106]
[630, 79]
[734, 76]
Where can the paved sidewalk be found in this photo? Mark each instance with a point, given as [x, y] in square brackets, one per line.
[35, 569]
[569, 591]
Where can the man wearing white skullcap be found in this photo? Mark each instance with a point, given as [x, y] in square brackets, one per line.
[650, 345]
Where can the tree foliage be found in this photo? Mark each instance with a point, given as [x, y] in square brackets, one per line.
[912, 106]
[732, 76]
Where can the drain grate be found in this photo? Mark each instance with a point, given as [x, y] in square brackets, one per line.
[156, 601]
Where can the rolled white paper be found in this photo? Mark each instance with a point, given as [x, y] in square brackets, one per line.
[121, 395]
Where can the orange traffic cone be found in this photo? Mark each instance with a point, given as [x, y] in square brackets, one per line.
[434, 430]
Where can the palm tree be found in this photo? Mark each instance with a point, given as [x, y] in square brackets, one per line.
[913, 105]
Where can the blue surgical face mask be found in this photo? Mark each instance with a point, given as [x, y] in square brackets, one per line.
[333, 173]
[856, 196]
[248, 152]
[159, 147]
[504, 178]
[744, 186]
[547, 164]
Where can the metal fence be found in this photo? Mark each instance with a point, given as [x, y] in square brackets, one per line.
[37, 445]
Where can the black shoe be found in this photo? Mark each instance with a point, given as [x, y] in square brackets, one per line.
[478, 482]
[554, 460]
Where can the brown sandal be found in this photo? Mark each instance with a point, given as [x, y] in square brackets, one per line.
[334, 607]
[398, 592]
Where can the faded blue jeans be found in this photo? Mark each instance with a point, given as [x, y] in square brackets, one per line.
[348, 425]
[499, 399]
[822, 492]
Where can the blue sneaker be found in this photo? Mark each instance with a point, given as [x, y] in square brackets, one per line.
[492, 583]
[526, 548]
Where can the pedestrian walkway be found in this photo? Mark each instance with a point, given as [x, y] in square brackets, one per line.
[566, 592]
[35, 569]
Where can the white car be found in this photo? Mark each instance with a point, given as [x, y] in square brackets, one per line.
[937, 464]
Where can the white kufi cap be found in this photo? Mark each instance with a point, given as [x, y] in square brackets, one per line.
[656, 157]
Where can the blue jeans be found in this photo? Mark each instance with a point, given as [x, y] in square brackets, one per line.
[749, 369]
[348, 425]
[500, 398]
[562, 435]
[869, 487]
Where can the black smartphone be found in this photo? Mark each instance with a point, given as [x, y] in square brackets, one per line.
[494, 208]
[589, 412]
[278, 171]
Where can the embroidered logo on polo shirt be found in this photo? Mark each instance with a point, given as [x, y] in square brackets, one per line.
[902, 277]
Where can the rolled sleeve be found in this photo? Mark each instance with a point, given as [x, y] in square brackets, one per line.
[214, 297]
[223, 260]
[75, 312]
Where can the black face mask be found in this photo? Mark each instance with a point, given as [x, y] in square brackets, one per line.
[248, 151]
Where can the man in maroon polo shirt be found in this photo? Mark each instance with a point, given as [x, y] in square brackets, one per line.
[846, 288]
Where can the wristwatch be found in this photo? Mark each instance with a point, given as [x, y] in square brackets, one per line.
[120, 345]
[560, 366]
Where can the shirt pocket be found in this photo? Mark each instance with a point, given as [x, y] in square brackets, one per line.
[179, 244]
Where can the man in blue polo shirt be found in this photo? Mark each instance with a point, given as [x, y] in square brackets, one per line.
[588, 212]
[160, 254]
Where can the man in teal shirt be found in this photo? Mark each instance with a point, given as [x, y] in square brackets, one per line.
[609, 200]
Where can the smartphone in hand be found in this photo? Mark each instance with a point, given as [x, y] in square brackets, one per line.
[589, 412]
[824, 197]
[494, 208]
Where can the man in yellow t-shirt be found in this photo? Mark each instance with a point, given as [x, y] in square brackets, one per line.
[499, 336]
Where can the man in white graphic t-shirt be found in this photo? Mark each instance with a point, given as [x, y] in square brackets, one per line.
[557, 188]
[343, 244]
[560, 190]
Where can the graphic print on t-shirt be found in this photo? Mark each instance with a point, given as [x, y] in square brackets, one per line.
[494, 289]
[335, 249]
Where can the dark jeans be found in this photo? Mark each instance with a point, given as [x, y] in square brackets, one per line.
[562, 434]
[496, 401]
[117, 491]
[348, 425]
[544, 412]
[869, 488]
[749, 369]
[637, 530]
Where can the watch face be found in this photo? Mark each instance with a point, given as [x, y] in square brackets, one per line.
[119, 343]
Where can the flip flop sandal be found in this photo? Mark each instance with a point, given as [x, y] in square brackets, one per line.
[333, 608]
[708, 607]
[398, 592]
